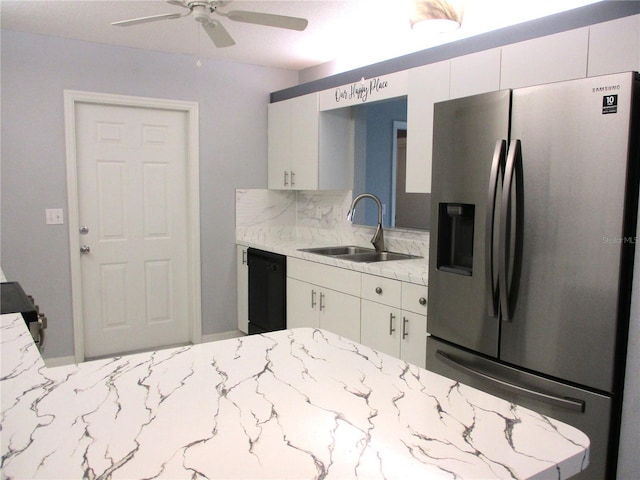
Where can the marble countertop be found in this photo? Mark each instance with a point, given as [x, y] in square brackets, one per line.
[294, 404]
[412, 270]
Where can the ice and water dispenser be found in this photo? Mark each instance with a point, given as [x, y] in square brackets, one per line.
[455, 238]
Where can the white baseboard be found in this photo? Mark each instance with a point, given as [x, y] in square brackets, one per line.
[214, 337]
[59, 361]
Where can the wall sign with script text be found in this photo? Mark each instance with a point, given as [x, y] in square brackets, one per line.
[365, 91]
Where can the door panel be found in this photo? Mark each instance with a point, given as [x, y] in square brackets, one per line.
[302, 304]
[465, 135]
[132, 195]
[574, 160]
[340, 313]
[381, 327]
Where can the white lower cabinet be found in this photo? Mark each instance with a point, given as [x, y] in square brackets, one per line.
[313, 299]
[302, 310]
[339, 313]
[413, 338]
[242, 270]
[385, 314]
[393, 318]
[379, 327]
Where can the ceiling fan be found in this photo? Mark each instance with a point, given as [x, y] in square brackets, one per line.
[201, 10]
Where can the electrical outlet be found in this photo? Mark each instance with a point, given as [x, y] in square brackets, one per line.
[54, 216]
[318, 212]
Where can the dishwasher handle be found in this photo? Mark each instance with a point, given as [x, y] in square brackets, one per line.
[569, 403]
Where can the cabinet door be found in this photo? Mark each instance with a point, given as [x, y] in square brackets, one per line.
[242, 270]
[380, 327]
[279, 145]
[554, 58]
[614, 46]
[475, 73]
[305, 133]
[414, 298]
[427, 85]
[302, 304]
[413, 338]
[340, 314]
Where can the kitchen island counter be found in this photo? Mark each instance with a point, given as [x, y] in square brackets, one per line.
[297, 404]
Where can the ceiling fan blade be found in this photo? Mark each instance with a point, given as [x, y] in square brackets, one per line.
[218, 34]
[177, 3]
[267, 19]
[153, 18]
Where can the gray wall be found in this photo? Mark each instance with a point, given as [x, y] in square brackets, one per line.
[36, 69]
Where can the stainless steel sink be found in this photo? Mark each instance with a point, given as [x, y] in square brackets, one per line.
[368, 257]
[358, 254]
[337, 251]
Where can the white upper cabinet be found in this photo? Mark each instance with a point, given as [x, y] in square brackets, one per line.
[475, 73]
[294, 155]
[426, 85]
[614, 46]
[562, 56]
[279, 144]
[293, 143]
[305, 138]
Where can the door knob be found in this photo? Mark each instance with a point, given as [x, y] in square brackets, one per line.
[84, 230]
[84, 249]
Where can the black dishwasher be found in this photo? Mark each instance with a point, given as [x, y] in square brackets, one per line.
[267, 291]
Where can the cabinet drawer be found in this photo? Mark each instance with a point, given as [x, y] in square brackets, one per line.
[382, 290]
[414, 298]
[334, 278]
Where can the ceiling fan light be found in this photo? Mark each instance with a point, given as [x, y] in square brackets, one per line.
[435, 16]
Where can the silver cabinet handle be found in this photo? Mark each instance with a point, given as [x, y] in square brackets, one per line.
[286, 178]
[293, 178]
[244, 257]
[313, 299]
[84, 249]
[422, 301]
[379, 290]
[322, 305]
[405, 332]
[392, 317]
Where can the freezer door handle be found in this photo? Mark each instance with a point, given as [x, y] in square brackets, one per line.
[497, 167]
[511, 226]
[568, 403]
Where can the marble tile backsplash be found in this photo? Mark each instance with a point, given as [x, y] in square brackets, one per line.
[312, 217]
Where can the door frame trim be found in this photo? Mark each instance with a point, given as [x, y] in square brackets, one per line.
[73, 97]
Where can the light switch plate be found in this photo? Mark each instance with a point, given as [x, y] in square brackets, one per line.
[54, 216]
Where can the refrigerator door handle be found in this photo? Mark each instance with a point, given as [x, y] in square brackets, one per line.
[510, 243]
[568, 403]
[497, 167]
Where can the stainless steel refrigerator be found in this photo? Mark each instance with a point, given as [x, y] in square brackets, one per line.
[534, 209]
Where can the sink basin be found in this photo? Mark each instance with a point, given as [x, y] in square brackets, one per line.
[368, 257]
[358, 254]
[337, 251]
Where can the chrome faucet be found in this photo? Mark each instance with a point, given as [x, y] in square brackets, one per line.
[378, 237]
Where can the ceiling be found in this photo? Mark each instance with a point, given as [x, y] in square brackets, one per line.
[352, 33]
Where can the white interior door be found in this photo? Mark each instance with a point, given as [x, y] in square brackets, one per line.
[132, 186]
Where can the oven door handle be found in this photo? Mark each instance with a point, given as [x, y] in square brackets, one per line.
[564, 402]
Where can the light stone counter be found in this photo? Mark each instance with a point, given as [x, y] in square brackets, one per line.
[413, 270]
[294, 404]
